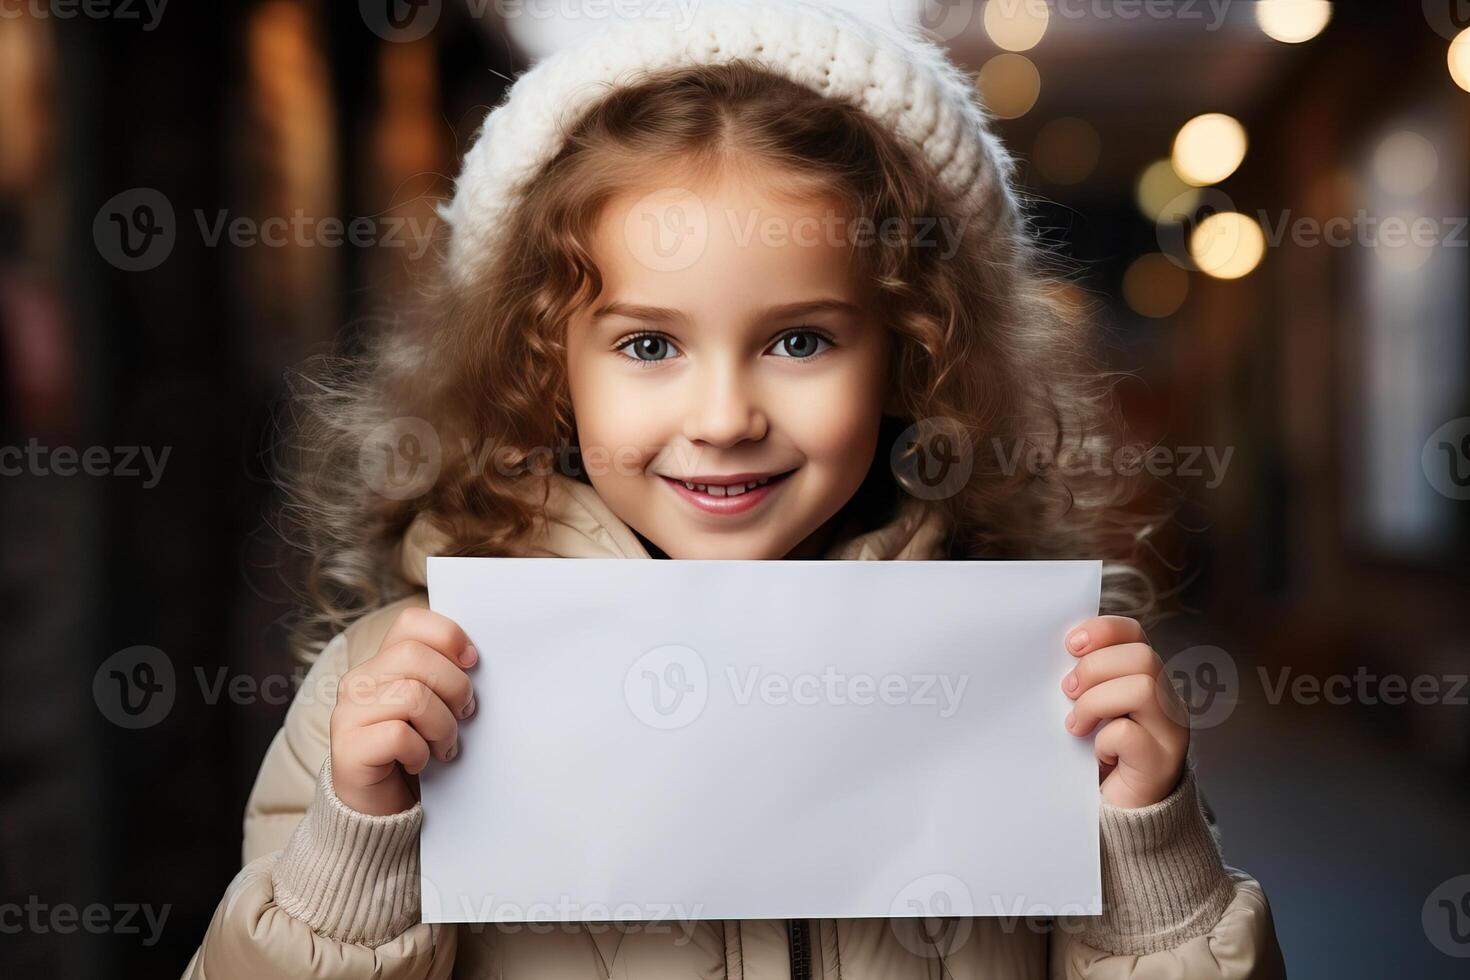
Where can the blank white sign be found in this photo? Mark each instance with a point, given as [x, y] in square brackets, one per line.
[706, 739]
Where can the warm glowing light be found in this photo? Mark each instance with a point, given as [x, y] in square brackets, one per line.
[1154, 286]
[1162, 196]
[1208, 148]
[1016, 25]
[1227, 245]
[1010, 85]
[1405, 163]
[1066, 150]
[1460, 59]
[1293, 21]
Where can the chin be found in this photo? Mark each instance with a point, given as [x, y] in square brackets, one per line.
[731, 546]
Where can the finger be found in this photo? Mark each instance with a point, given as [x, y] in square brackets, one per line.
[433, 630]
[1103, 631]
[410, 700]
[1108, 663]
[1134, 696]
[410, 658]
[392, 742]
[1124, 741]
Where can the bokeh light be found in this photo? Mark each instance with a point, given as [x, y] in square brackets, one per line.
[1405, 163]
[1010, 85]
[1227, 245]
[1067, 150]
[1293, 21]
[1016, 25]
[1459, 57]
[1154, 285]
[1209, 148]
[1162, 195]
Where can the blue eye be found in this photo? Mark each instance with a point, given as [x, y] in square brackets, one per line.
[648, 348]
[652, 348]
[801, 344]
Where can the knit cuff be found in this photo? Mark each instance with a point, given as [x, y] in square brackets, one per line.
[1162, 877]
[350, 876]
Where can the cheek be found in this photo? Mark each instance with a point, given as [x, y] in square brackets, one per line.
[618, 427]
[836, 424]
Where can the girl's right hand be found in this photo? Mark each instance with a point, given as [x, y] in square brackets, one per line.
[399, 707]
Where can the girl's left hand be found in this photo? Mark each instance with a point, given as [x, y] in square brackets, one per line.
[1119, 680]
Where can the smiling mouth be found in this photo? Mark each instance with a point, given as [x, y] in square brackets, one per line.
[727, 487]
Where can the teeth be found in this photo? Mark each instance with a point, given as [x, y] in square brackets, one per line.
[733, 490]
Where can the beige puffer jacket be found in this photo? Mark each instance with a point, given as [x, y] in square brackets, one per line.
[327, 892]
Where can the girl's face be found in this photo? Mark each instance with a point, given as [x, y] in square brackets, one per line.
[730, 344]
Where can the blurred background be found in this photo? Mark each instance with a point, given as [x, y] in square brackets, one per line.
[1266, 203]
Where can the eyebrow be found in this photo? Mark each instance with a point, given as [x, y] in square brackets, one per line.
[635, 311]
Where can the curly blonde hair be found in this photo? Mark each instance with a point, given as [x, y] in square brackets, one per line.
[982, 343]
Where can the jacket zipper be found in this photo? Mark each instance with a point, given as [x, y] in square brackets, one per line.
[798, 934]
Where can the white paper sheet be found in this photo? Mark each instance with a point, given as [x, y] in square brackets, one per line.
[707, 739]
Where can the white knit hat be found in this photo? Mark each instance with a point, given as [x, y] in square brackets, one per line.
[898, 76]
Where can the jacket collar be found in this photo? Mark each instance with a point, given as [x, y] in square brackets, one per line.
[579, 524]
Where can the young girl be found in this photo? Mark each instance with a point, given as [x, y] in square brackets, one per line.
[752, 286]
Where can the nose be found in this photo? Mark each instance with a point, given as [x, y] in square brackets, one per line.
[724, 410]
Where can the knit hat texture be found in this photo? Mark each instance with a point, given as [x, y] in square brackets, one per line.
[896, 74]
